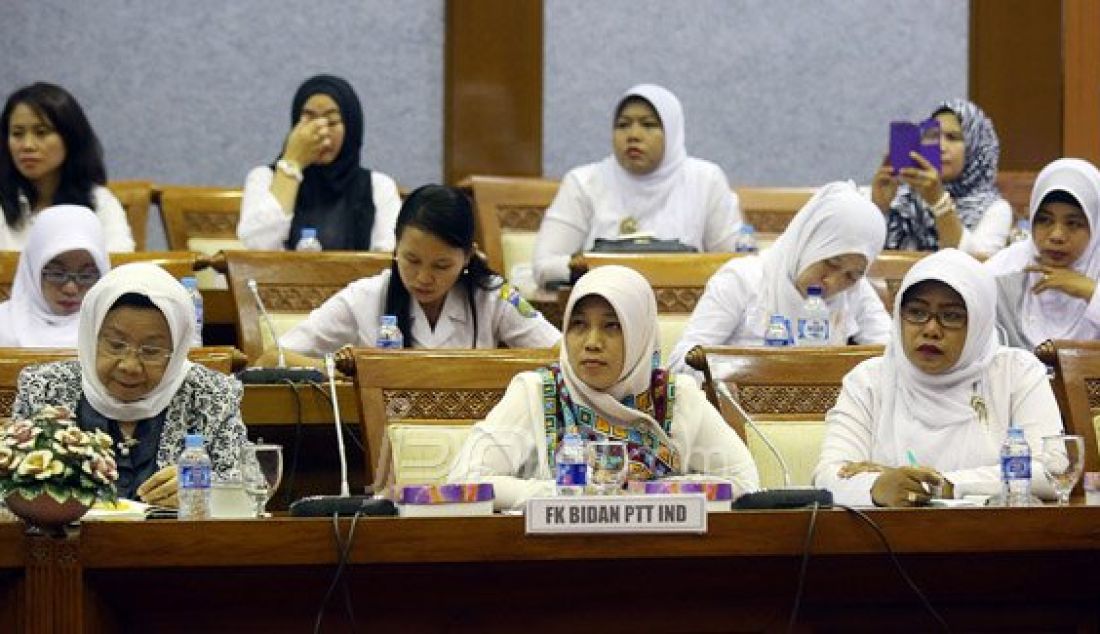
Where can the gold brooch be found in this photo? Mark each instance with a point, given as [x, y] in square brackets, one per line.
[628, 225]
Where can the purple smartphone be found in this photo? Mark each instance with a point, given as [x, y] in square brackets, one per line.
[923, 138]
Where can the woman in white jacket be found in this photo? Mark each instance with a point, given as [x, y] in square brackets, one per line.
[606, 386]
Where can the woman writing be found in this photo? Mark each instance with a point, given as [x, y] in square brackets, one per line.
[441, 291]
[829, 243]
[317, 181]
[607, 385]
[649, 183]
[956, 207]
[133, 380]
[943, 397]
[53, 157]
[65, 255]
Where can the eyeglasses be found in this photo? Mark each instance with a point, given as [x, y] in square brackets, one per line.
[952, 318]
[147, 355]
[61, 277]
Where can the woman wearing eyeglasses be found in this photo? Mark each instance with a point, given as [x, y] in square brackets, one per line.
[133, 380]
[933, 411]
[65, 254]
[317, 181]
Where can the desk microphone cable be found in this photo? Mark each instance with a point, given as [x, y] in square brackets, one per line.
[343, 549]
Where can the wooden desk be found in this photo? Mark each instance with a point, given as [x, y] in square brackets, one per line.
[1028, 569]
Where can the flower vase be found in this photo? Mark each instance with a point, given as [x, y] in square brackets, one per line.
[44, 514]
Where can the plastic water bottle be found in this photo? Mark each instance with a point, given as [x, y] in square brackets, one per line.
[570, 464]
[389, 335]
[194, 469]
[746, 240]
[1021, 232]
[813, 321]
[308, 241]
[192, 286]
[1016, 469]
[777, 335]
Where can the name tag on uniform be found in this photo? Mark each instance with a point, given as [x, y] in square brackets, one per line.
[617, 514]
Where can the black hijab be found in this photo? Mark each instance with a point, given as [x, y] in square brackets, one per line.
[337, 199]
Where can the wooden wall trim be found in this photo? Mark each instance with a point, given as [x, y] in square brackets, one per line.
[1081, 97]
[493, 88]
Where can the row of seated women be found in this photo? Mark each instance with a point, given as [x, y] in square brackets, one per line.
[648, 183]
[942, 351]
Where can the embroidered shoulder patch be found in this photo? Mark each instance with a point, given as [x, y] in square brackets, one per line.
[511, 295]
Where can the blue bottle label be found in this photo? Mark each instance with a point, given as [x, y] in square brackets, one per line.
[572, 474]
[194, 477]
[1016, 467]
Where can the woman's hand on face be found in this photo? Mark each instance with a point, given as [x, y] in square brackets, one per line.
[161, 488]
[904, 486]
[884, 185]
[307, 140]
[1067, 281]
[925, 179]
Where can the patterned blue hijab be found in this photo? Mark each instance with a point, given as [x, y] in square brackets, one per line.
[910, 224]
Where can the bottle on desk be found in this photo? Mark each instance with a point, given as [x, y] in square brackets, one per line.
[778, 334]
[192, 286]
[389, 334]
[570, 464]
[308, 241]
[746, 240]
[813, 320]
[194, 471]
[1015, 469]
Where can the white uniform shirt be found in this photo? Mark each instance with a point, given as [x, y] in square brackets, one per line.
[352, 317]
[585, 208]
[509, 448]
[729, 313]
[1016, 378]
[116, 227]
[265, 225]
[991, 233]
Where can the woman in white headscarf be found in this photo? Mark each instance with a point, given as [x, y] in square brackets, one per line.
[133, 381]
[648, 184]
[65, 254]
[607, 386]
[1047, 285]
[942, 397]
[829, 243]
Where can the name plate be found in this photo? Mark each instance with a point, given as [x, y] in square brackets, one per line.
[617, 514]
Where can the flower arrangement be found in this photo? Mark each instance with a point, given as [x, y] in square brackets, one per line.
[49, 453]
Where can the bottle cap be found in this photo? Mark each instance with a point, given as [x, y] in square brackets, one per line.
[747, 228]
[309, 232]
[389, 320]
[813, 290]
[193, 440]
[779, 319]
[190, 283]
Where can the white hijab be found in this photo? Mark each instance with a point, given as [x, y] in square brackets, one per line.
[168, 295]
[27, 317]
[632, 298]
[837, 220]
[935, 415]
[665, 200]
[1053, 314]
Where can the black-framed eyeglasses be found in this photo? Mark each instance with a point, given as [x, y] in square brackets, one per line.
[61, 277]
[951, 318]
[146, 354]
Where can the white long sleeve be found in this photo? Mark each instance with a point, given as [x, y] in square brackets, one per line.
[116, 226]
[265, 225]
[991, 233]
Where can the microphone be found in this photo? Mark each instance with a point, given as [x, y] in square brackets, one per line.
[345, 503]
[266, 318]
[724, 390]
[281, 374]
[787, 497]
